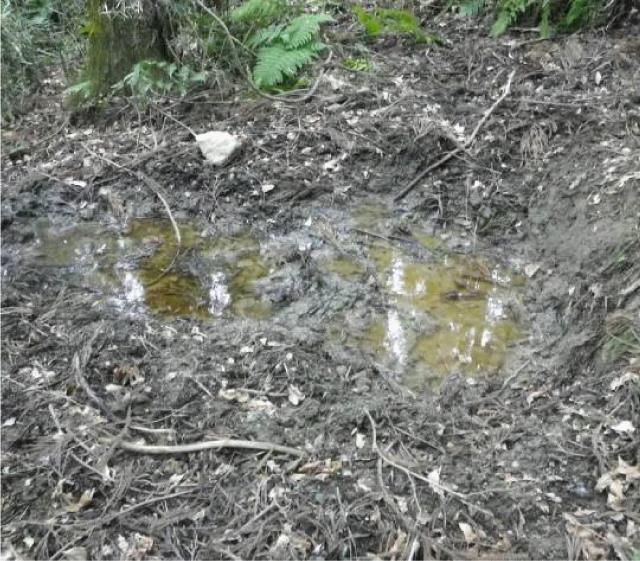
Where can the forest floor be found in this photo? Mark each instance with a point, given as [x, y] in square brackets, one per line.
[348, 367]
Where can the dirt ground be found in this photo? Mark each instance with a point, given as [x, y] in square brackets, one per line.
[133, 434]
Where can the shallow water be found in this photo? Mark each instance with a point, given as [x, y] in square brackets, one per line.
[432, 312]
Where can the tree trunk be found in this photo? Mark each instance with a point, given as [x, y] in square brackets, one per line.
[121, 34]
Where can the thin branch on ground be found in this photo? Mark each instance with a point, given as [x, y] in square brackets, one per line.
[156, 188]
[79, 363]
[461, 148]
[104, 461]
[437, 487]
[209, 445]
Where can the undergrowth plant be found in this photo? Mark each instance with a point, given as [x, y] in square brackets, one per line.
[583, 12]
[563, 15]
[34, 34]
[510, 10]
[383, 21]
[359, 64]
[160, 77]
[261, 13]
[282, 48]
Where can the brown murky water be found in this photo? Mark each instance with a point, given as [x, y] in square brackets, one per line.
[202, 277]
[452, 316]
[442, 312]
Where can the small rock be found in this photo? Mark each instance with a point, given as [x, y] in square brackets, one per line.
[218, 146]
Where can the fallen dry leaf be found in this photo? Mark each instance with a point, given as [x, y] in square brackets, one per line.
[85, 500]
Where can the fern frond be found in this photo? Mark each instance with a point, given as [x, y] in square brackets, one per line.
[471, 7]
[266, 36]
[276, 63]
[578, 14]
[501, 24]
[262, 12]
[283, 49]
[304, 29]
[508, 11]
[316, 47]
[545, 27]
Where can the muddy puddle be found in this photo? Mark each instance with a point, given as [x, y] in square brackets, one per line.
[396, 294]
[457, 315]
[144, 269]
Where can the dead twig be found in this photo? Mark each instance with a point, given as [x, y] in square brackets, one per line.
[409, 524]
[102, 465]
[461, 148]
[79, 363]
[80, 380]
[102, 521]
[156, 188]
[209, 445]
[435, 486]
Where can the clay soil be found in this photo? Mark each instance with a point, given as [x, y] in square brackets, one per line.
[318, 453]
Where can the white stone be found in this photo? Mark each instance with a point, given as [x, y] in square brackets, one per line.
[218, 146]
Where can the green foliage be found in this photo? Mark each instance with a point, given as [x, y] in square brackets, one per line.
[260, 13]
[566, 16]
[282, 50]
[147, 78]
[383, 21]
[358, 64]
[581, 13]
[282, 46]
[471, 7]
[32, 33]
[80, 92]
[276, 65]
[371, 24]
[159, 77]
[545, 27]
[118, 37]
[508, 12]
[627, 342]
[300, 32]
[18, 54]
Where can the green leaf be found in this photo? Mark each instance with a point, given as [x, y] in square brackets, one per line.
[501, 24]
[384, 21]
[471, 8]
[266, 36]
[276, 63]
[544, 22]
[260, 12]
[304, 29]
[83, 88]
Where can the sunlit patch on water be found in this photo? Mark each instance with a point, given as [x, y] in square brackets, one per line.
[203, 277]
[219, 279]
[469, 300]
[133, 289]
[219, 297]
[419, 310]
